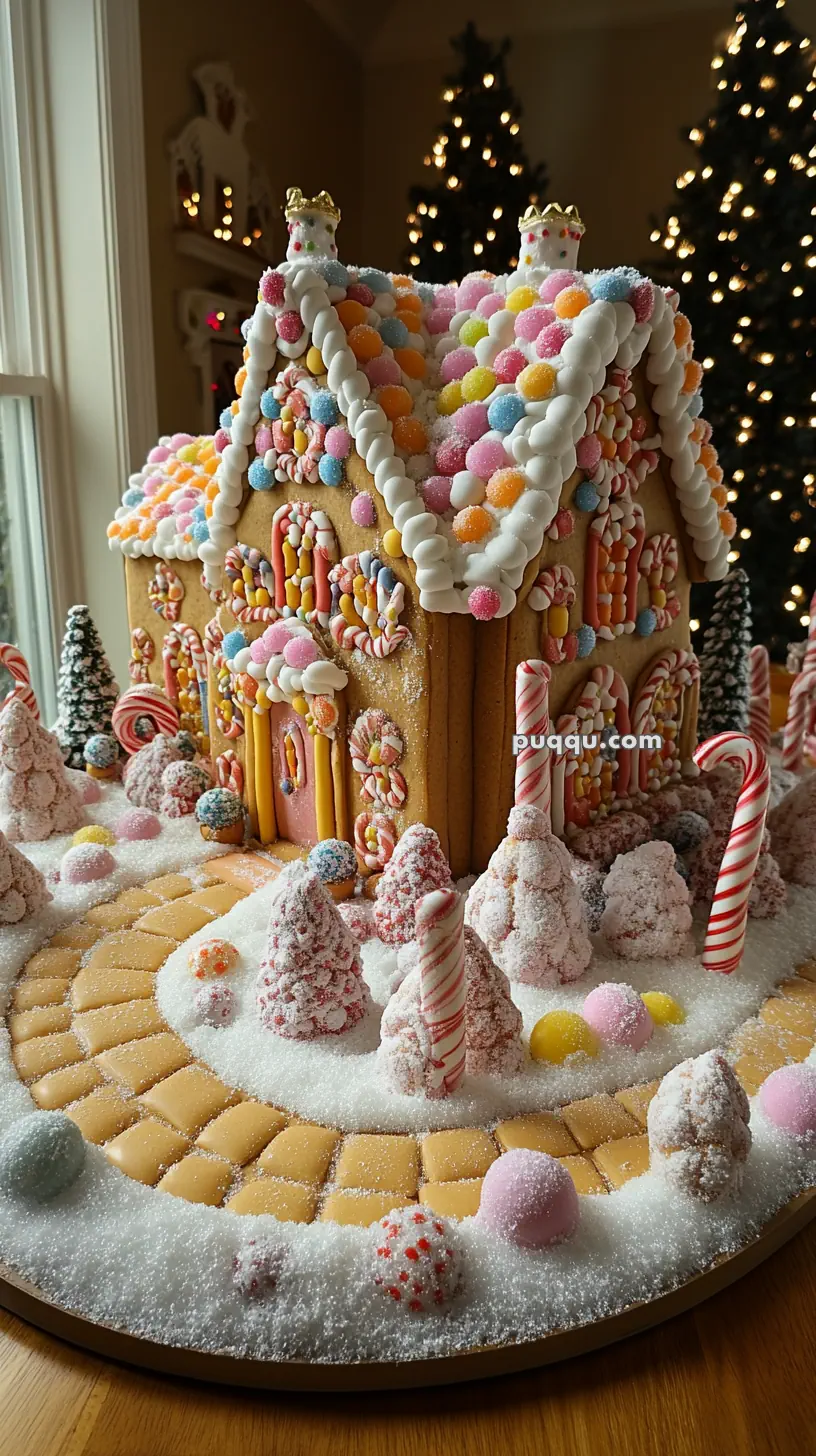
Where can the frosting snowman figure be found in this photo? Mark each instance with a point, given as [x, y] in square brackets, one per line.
[312, 225]
[549, 239]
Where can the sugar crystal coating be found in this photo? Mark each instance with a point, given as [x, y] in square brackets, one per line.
[699, 1138]
[416, 1263]
[529, 1199]
[41, 1156]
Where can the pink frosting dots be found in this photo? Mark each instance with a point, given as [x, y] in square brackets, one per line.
[551, 340]
[471, 421]
[456, 364]
[617, 1015]
[486, 456]
[529, 1199]
[788, 1099]
[508, 365]
[555, 282]
[531, 321]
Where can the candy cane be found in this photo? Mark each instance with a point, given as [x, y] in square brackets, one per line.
[229, 771]
[533, 718]
[440, 934]
[234, 563]
[11, 658]
[141, 643]
[349, 638]
[759, 704]
[376, 856]
[139, 703]
[799, 721]
[725, 935]
[809, 659]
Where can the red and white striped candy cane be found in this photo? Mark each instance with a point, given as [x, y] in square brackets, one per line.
[809, 660]
[533, 718]
[440, 934]
[800, 720]
[229, 771]
[725, 935]
[142, 653]
[759, 704]
[374, 856]
[349, 637]
[11, 658]
[140, 703]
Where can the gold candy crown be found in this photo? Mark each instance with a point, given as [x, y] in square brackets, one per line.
[553, 212]
[323, 202]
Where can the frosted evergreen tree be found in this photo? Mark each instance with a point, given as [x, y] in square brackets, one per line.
[724, 675]
[86, 690]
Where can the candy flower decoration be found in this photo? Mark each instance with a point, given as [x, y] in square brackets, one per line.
[725, 935]
[165, 592]
[376, 747]
[367, 602]
[374, 839]
[554, 594]
[142, 653]
[288, 665]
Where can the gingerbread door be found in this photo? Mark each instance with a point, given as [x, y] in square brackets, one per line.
[293, 769]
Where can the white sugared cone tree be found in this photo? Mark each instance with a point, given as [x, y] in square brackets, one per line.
[526, 907]
[416, 867]
[699, 1138]
[23, 890]
[86, 690]
[724, 672]
[36, 797]
[310, 982]
[647, 905]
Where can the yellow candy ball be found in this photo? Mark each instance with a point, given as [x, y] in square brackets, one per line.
[472, 331]
[663, 1009]
[392, 542]
[562, 1034]
[449, 398]
[521, 298]
[314, 361]
[188, 454]
[478, 383]
[94, 834]
[537, 381]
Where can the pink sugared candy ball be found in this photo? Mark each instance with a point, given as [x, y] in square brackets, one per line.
[508, 365]
[529, 1199]
[551, 340]
[617, 1015]
[290, 326]
[275, 639]
[456, 364]
[383, 370]
[84, 863]
[272, 288]
[588, 452]
[554, 282]
[483, 603]
[299, 652]
[215, 1005]
[362, 508]
[221, 439]
[471, 422]
[137, 824]
[436, 493]
[158, 454]
[211, 958]
[450, 456]
[338, 442]
[471, 291]
[486, 456]
[439, 319]
[788, 1099]
[490, 304]
[90, 791]
[531, 321]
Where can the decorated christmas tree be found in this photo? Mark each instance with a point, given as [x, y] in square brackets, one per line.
[740, 246]
[86, 691]
[416, 867]
[36, 797]
[724, 671]
[479, 180]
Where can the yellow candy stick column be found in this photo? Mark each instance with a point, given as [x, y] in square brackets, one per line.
[324, 788]
[262, 747]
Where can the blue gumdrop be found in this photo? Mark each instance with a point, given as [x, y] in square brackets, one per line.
[133, 497]
[200, 531]
[323, 408]
[335, 274]
[199, 513]
[586, 640]
[233, 642]
[613, 287]
[505, 411]
[695, 406]
[393, 332]
[333, 861]
[259, 477]
[425, 292]
[645, 622]
[386, 579]
[330, 470]
[270, 406]
[226, 419]
[586, 496]
[375, 280]
[41, 1156]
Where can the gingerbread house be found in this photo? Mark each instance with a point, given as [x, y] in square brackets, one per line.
[416, 489]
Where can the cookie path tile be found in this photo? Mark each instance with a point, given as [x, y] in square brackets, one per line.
[92, 990]
[460, 1153]
[452, 1200]
[110, 1026]
[290, 1202]
[302, 1152]
[386, 1163]
[595, 1120]
[188, 1099]
[361, 1209]
[143, 1063]
[53, 961]
[146, 1150]
[46, 1054]
[584, 1175]
[132, 950]
[40, 1021]
[103, 1114]
[623, 1158]
[57, 1089]
[198, 1179]
[543, 1132]
[242, 1132]
[179, 919]
[39, 992]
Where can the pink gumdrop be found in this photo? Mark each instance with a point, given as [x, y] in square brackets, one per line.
[531, 321]
[176, 441]
[450, 456]
[137, 824]
[551, 340]
[276, 638]
[471, 291]
[338, 442]
[788, 1099]
[642, 300]
[273, 285]
[456, 364]
[184, 521]
[445, 297]
[588, 452]
[260, 651]
[89, 789]
[221, 439]
[618, 1016]
[436, 493]
[162, 510]
[363, 510]
[158, 454]
[554, 282]
[508, 365]
[439, 320]
[486, 456]
[483, 603]
[384, 370]
[490, 304]
[361, 293]
[299, 652]
[83, 863]
[529, 1199]
[263, 440]
[290, 326]
[152, 484]
[471, 421]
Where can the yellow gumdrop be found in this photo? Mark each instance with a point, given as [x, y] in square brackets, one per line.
[478, 383]
[521, 298]
[392, 542]
[314, 361]
[562, 1034]
[472, 330]
[663, 1009]
[537, 381]
[300, 441]
[94, 834]
[449, 398]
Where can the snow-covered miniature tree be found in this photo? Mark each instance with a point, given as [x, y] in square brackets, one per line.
[526, 907]
[724, 672]
[647, 905]
[143, 772]
[310, 982]
[768, 893]
[183, 784]
[792, 826]
[416, 867]
[86, 691]
[36, 796]
[699, 1136]
[23, 890]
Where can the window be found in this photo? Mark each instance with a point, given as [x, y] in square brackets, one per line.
[25, 593]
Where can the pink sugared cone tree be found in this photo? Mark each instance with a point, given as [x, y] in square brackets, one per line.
[792, 825]
[648, 911]
[699, 1137]
[526, 907]
[416, 867]
[310, 982]
[36, 796]
[143, 772]
[768, 894]
[493, 1025]
[23, 890]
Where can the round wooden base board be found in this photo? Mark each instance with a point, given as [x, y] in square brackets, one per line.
[22, 1298]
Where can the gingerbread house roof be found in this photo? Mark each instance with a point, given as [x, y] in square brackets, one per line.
[164, 508]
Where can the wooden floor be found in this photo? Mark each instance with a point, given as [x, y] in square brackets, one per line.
[736, 1377]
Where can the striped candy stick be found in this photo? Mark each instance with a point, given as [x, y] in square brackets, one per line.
[759, 705]
[11, 658]
[533, 718]
[809, 660]
[440, 934]
[799, 721]
[725, 934]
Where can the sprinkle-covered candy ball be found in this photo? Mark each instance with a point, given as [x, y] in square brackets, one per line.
[211, 958]
[215, 1005]
[663, 1008]
[84, 863]
[416, 1262]
[256, 1268]
[335, 863]
[561, 1034]
[618, 1015]
[41, 1156]
[137, 824]
[94, 834]
[101, 755]
[220, 816]
[529, 1199]
[788, 1099]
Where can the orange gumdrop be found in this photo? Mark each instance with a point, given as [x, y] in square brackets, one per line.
[183, 475]
[570, 302]
[114, 529]
[609, 448]
[411, 320]
[728, 523]
[411, 362]
[682, 330]
[708, 455]
[692, 377]
[410, 301]
[505, 486]
[401, 280]
[365, 342]
[720, 495]
[351, 313]
[715, 474]
[394, 400]
[240, 380]
[472, 523]
[410, 434]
